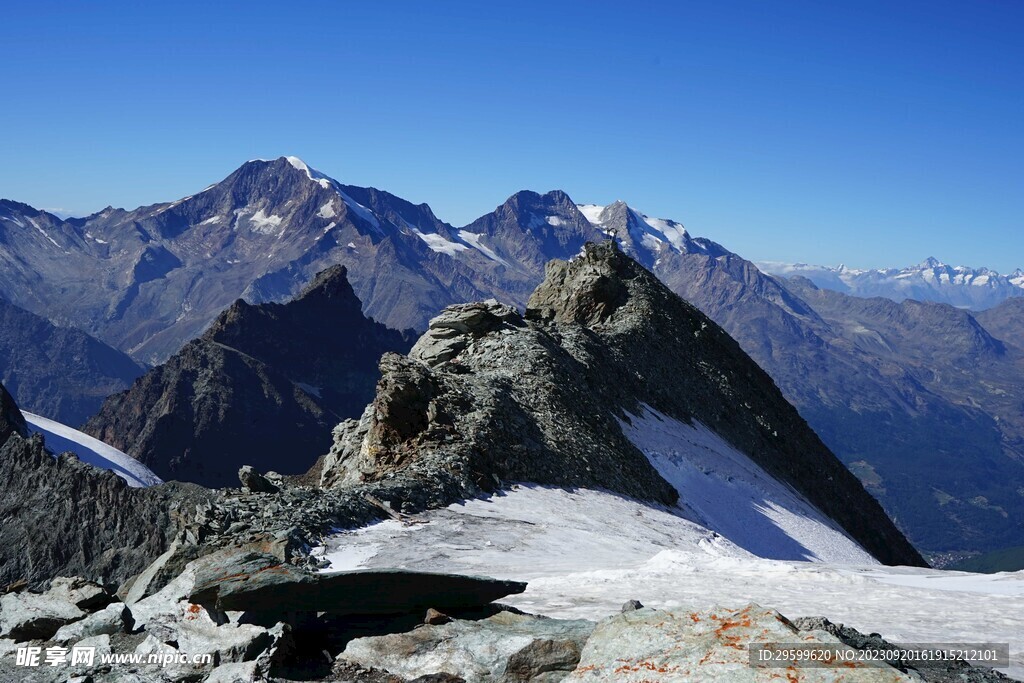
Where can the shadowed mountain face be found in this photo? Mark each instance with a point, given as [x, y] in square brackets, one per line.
[11, 419]
[58, 372]
[263, 386]
[488, 395]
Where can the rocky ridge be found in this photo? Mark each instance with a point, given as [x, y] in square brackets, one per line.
[262, 386]
[487, 395]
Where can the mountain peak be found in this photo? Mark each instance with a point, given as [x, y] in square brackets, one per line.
[932, 262]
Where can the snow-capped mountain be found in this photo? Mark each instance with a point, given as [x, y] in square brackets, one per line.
[644, 238]
[930, 280]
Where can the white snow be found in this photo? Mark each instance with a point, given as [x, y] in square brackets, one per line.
[585, 552]
[264, 223]
[327, 210]
[60, 438]
[438, 243]
[360, 210]
[723, 490]
[474, 240]
[554, 220]
[42, 232]
[330, 226]
[592, 212]
[212, 220]
[313, 175]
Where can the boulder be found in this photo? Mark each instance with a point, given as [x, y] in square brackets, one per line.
[84, 594]
[506, 647]
[255, 582]
[255, 482]
[30, 616]
[639, 645]
[114, 618]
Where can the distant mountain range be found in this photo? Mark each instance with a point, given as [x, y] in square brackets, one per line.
[917, 399]
[930, 280]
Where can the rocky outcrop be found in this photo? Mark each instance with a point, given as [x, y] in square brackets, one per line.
[487, 395]
[707, 644]
[63, 517]
[506, 648]
[262, 387]
[255, 582]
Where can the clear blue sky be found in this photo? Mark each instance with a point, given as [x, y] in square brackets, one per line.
[875, 133]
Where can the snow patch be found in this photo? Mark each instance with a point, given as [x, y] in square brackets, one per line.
[592, 212]
[554, 220]
[60, 438]
[263, 223]
[722, 489]
[438, 243]
[42, 232]
[212, 220]
[473, 239]
[327, 210]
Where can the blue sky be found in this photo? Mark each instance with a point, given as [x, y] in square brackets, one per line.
[861, 132]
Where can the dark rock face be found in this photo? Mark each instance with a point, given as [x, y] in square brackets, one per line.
[63, 517]
[262, 387]
[58, 372]
[11, 419]
[485, 395]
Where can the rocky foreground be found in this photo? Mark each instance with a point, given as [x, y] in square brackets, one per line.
[243, 615]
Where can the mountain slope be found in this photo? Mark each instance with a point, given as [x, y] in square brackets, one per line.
[930, 280]
[58, 371]
[263, 386]
[488, 396]
[150, 279]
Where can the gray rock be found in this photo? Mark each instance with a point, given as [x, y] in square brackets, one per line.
[506, 647]
[63, 517]
[254, 582]
[30, 616]
[631, 606]
[82, 593]
[114, 618]
[702, 645]
[254, 481]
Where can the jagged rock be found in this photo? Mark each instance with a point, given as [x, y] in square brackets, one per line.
[932, 672]
[436, 618]
[506, 647]
[703, 645]
[114, 618]
[255, 582]
[455, 328]
[82, 593]
[30, 616]
[64, 517]
[632, 605]
[255, 482]
[262, 386]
